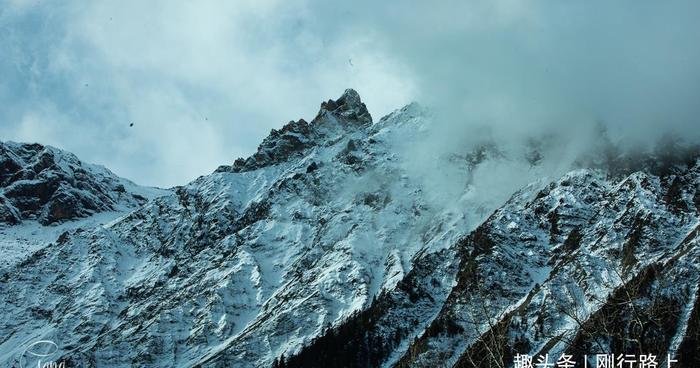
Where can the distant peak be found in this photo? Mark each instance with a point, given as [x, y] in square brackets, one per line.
[349, 105]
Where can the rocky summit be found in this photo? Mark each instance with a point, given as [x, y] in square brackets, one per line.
[336, 245]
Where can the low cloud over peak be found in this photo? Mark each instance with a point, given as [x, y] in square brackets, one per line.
[204, 82]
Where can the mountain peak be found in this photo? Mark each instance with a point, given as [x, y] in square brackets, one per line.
[336, 117]
[349, 105]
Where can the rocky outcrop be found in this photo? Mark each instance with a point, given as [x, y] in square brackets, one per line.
[281, 145]
[49, 185]
[335, 117]
[349, 106]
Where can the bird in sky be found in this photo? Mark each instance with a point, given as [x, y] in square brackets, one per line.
[350, 61]
[132, 124]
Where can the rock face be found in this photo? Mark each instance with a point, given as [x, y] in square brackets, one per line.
[333, 246]
[345, 114]
[49, 185]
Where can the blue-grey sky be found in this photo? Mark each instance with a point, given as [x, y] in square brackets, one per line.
[203, 82]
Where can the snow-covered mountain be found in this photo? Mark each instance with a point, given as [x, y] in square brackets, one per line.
[334, 245]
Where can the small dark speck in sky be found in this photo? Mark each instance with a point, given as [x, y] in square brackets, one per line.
[132, 124]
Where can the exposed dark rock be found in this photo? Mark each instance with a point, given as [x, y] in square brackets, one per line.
[8, 213]
[311, 168]
[350, 155]
[348, 106]
[46, 184]
[480, 153]
[279, 146]
[347, 112]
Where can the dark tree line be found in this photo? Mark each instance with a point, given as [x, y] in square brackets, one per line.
[367, 338]
[353, 343]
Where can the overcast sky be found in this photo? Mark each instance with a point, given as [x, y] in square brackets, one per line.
[203, 82]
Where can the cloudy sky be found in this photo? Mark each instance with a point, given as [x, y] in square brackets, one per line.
[203, 82]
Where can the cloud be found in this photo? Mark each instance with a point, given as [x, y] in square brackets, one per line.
[205, 81]
[513, 65]
[202, 82]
